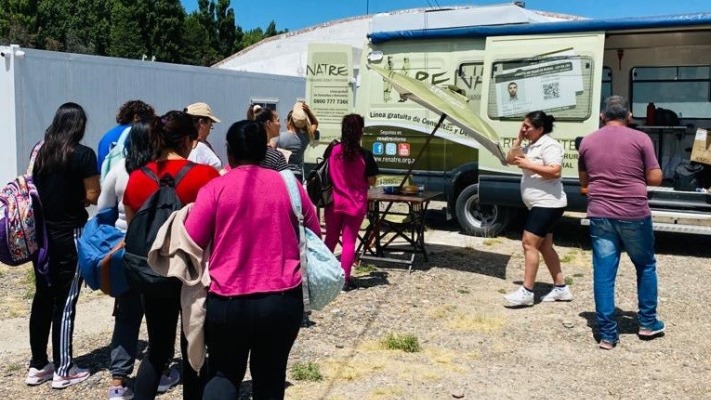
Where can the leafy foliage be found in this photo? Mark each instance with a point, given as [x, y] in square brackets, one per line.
[129, 28]
[405, 342]
[306, 371]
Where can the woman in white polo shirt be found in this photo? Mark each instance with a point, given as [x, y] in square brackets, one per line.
[542, 192]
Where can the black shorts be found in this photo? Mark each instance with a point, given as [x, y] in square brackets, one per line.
[541, 221]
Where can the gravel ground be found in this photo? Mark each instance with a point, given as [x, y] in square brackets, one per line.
[470, 345]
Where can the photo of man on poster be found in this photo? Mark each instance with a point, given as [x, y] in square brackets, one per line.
[513, 91]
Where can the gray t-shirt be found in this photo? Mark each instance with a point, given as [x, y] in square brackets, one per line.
[296, 143]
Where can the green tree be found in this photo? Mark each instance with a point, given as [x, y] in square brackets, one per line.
[206, 17]
[18, 22]
[271, 30]
[87, 26]
[251, 37]
[52, 24]
[198, 50]
[226, 32]
[128, 36]
[167, 38]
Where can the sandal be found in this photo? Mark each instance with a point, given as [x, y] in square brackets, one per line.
[607, 344]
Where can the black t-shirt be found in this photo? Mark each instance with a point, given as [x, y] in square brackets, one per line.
[62, 192]
[371, 167]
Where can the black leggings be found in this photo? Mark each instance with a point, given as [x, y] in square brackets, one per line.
[262, 327]
[54, 306]
[161, 322]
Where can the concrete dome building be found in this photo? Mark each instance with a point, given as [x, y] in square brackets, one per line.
[286, 54]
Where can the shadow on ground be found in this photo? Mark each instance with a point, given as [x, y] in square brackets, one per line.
[626, 321]
[443, 256]
[100, 358]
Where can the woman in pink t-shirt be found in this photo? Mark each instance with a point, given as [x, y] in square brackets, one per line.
[254, 304]
[352, 170]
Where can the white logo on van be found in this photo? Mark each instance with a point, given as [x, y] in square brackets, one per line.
[390, 149]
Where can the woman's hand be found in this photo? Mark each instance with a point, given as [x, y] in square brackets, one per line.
[522, 162]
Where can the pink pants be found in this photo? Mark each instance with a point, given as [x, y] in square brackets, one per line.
[347, 227]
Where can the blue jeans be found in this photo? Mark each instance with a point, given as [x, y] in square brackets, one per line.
[609, 237]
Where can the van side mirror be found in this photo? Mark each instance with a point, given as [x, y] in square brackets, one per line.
[578, 140]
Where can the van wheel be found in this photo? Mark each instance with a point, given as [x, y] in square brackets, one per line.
[478, 220]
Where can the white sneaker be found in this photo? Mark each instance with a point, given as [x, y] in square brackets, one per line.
[120, 393]
[39, 376]
[74, 376]
[169, 380]
[558, 294]
[520, 297]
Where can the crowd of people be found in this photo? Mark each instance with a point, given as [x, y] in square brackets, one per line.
[238, 216]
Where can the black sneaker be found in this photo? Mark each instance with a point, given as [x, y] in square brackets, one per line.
[305, 321]
[349, 285]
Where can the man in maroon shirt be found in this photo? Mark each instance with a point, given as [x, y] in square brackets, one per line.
[615, 166]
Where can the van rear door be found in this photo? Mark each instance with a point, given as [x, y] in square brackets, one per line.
[558, 73]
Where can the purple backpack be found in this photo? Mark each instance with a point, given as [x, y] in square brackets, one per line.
[23, 235]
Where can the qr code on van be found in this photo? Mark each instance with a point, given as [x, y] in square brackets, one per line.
[551, 90]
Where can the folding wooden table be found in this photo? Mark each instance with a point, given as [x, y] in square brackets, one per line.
[377, 243]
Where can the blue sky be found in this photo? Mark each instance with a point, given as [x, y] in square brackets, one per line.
[295, 14]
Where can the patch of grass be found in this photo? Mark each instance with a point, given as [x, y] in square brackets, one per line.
[491, 242]
[568, 280]
[578, 275]
[364, 269]
[405, 342]
[480, 323]
[566, 258]
[306, 371]
[12, 368]
[463, 291]
[387, 392]
[441, 311]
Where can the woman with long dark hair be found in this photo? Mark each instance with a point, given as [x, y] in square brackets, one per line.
[273, 159]
[255, 301]
[352, 170]
[67, 180]
[172, 142]
[542, 191]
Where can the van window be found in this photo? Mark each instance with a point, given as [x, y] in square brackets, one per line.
[606, 90]
[559, 85]
[684, 90]
[469, 79]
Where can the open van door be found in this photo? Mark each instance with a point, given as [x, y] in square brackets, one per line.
[560, 74]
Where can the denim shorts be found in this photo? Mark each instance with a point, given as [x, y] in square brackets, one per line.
[541, 221]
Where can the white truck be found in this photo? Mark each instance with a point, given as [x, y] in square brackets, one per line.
[565, 68]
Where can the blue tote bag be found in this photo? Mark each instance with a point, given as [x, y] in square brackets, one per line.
[321, 272]
[100, 249]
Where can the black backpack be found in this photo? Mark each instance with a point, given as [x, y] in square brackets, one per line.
[686, 177]
[142, 231]
[318, 182]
